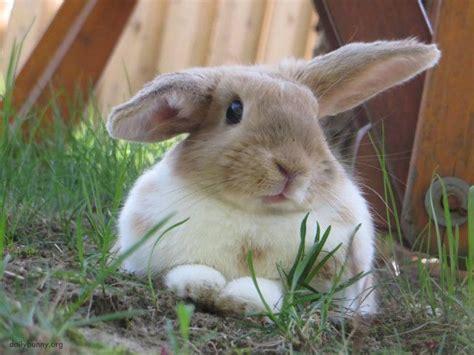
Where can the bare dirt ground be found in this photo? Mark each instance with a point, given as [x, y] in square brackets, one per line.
[47, 272]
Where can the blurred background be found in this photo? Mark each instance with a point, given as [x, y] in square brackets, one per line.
[168, 35]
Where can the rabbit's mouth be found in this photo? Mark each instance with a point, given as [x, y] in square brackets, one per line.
[281, 194]
[291, 188]
[271, 199]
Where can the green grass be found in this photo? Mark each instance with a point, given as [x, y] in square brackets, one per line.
[59, 200]
[61, 194]
[292, 318]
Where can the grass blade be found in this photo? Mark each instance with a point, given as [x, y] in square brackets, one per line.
[301, 247]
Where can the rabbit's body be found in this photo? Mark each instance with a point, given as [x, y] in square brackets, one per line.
[220, 235]
[255, 162]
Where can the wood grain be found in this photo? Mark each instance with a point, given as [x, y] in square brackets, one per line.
[236, 32]
[397, 109]
[71, 55]
[186, 34]
[288, 30]
[28, 21]
[312, 41]
[444, 140]
[134, 59]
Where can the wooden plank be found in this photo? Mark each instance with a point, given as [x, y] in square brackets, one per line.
[397, 109]
[5, 11]
[265, 31]
[28, 20]
[236, 43]
[312, 38]
[289, 29]
[186, 34]
[49, 8]
[22, 22]
[134, 59]
[444, 141]
[71, 54]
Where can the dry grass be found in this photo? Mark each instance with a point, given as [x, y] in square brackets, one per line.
[45, 275]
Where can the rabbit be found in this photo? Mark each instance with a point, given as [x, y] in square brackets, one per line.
[253, 164]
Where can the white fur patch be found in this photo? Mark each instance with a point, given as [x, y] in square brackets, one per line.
[198, 282]
[241, 296]
[216, 232]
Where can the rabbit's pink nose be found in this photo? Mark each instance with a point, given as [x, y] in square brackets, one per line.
[285, 187]
[287, 173]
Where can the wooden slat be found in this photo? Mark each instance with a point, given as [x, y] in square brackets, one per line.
[444, 141]
[5, 10]
[28, 20]
[370, 20]
[264, 31]
[288, 31]
[312, 39]
[23, 21]
[237, 31]
[134, 59]
[186, 34]
[72, 53]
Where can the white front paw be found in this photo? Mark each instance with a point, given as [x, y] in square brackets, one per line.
[200, 283]
[241, 297]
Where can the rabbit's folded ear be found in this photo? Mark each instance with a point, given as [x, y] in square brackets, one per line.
[171, 104]
[354, 73]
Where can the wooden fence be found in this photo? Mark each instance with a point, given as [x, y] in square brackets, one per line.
[169, 35]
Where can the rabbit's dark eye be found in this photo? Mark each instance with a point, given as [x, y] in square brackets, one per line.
[234, 112]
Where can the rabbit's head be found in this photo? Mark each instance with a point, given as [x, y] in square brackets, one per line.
[253, 134]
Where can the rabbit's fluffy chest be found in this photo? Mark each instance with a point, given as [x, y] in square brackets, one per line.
[259, 155]
[216, 234]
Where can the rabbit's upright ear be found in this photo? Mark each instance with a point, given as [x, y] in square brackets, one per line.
[171, 104]
[354, 73]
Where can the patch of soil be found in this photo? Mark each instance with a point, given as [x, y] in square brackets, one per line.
[50, 273]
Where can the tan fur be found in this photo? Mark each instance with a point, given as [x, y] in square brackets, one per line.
[242, 159]
[328, 270]
[281, 107]
[141, 224]
[277, 150]
[258, 255]
[345, 215]
[354, 73]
